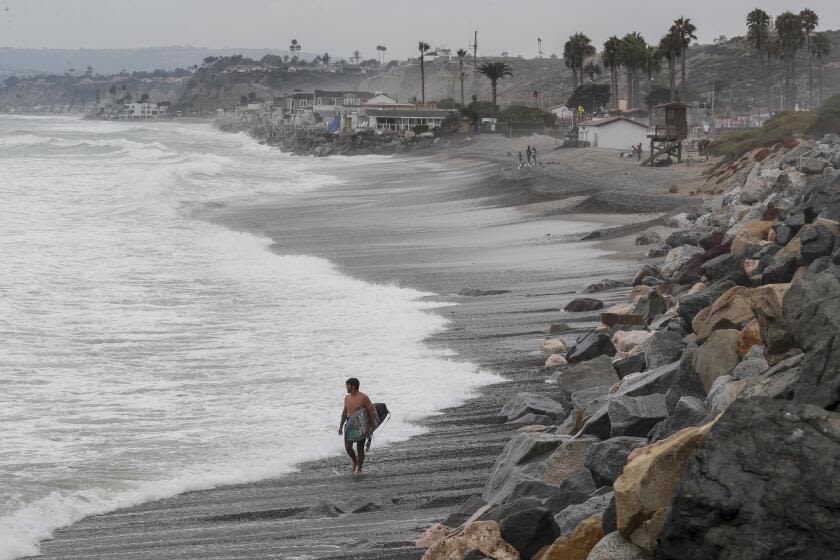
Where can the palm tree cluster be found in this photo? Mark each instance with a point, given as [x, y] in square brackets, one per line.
[381, 49]
[576, 50]
[783, 38]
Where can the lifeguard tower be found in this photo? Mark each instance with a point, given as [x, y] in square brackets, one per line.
[669, 127]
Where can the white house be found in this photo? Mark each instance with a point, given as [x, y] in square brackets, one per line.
[402, 120]
[132, 111]
[562, 112]
[616, 133]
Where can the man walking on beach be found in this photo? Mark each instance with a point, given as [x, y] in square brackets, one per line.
[534, 155]
[528, 155]
[358, 420]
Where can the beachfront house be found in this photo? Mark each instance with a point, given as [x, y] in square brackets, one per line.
[402, 119]
[616, 133]
[564, 114]
[143, 111]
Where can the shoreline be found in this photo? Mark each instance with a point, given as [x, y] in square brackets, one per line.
[504, 327]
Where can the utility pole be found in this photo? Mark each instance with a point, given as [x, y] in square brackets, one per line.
[539, 47]
[475, 48]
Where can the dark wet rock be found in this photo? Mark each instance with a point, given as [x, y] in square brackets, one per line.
[817, 241]
[528, 531]
[781, 271]
[510, 507]
[590, 400]
[652, 282]
[528, 403]
[686, 237]
[519, 460]
[647, 270]
[784, 233]
[614, 546]
[664, 347]
[592, 235]
[633, 363]
[531, 419]
[685, 382]
[474, 292]
[636, 416]
[728, 266]
[476, 554]
[650, 306]
[821, 197]
[534, 488]
[692, 304]
[811, 310]
[591, 345]
[657, 252]
[606, 459]
[713, 239]
[597, 372]
[690, 411]
[574, 490]
[605, 285]
[649, 382]
[464, 511]
[757, 487]
[648, 238]
[597, 425]
[584, 304]
[609, 520]
[571, 517]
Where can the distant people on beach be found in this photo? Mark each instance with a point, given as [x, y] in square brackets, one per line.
[534, 155]
[358, 421]
[519, 155]
[528, 154]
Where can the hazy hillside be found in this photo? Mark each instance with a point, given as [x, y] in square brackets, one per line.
[112, 61]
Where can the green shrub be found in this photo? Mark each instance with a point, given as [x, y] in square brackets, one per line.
[828, 118]
[778, 128]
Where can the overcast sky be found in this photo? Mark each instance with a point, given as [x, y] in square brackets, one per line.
[341, 26]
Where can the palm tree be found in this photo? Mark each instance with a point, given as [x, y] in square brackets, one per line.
[758, 36]
[820, 49]
[684, 29]
[462, 54]
[326, 58]
[495, 71]
[791, 37]
[810, 20]
[653, 62]
[670, 46]
[357, 55]
[294, 47]
[633, 53]
[423, 47]
[612, 60]
[592, 69]
[577, 49]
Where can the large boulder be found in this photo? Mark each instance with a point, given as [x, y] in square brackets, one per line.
[575, 546]
[519, 460]
[567, 460]
[780, 271]
[732, 310]
[821, 197]
[644, 490]
[573, 515]
[501, 511]
[633, 363]
[815, 242]
[464, 512]
[604, 285]
[718, 356]
[686, 237]
[627, 342]
[597, 372]
[529, 531]
[606, 459]
[728, 266]
[485, 536]
[811, 165]
[591, 345]
[779, 382]
[648, 238]
[677, 258]
[636, 416]
[756, 186]
[576, 489]
[664, 347]
[753, 364]
[614, 546]
[759, 487]
[689, 411]
[811, 310]
[553, 346]
[528, 403]
[649, 382]
[584, 304]
[650, 306]
[692, 303]
[751, 237]
[647, 271]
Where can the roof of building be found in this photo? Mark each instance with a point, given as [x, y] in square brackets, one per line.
[672, 104]
[336, 93]
[401, 112]
[610, 120]
[301, 95]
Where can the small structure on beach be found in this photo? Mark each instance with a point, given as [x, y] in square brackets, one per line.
[669, 127]
[617, 133]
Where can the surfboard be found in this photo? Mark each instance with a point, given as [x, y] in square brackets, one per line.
[357, 427]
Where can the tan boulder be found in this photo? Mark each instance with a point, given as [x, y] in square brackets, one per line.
[558, 328]
[555, 361]
[611, 319]
[532, 428]
[480, 535]
[553, 346]
[752, 233]
[576, 546]
[630, 341]
[718, 356]
[644, 490]
[432, 536]
[732, 310]
[767, 307]
[749, 337]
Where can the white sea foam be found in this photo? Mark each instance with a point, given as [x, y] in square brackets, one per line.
[147, 353]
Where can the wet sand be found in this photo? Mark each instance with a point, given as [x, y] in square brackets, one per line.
[439, 224]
